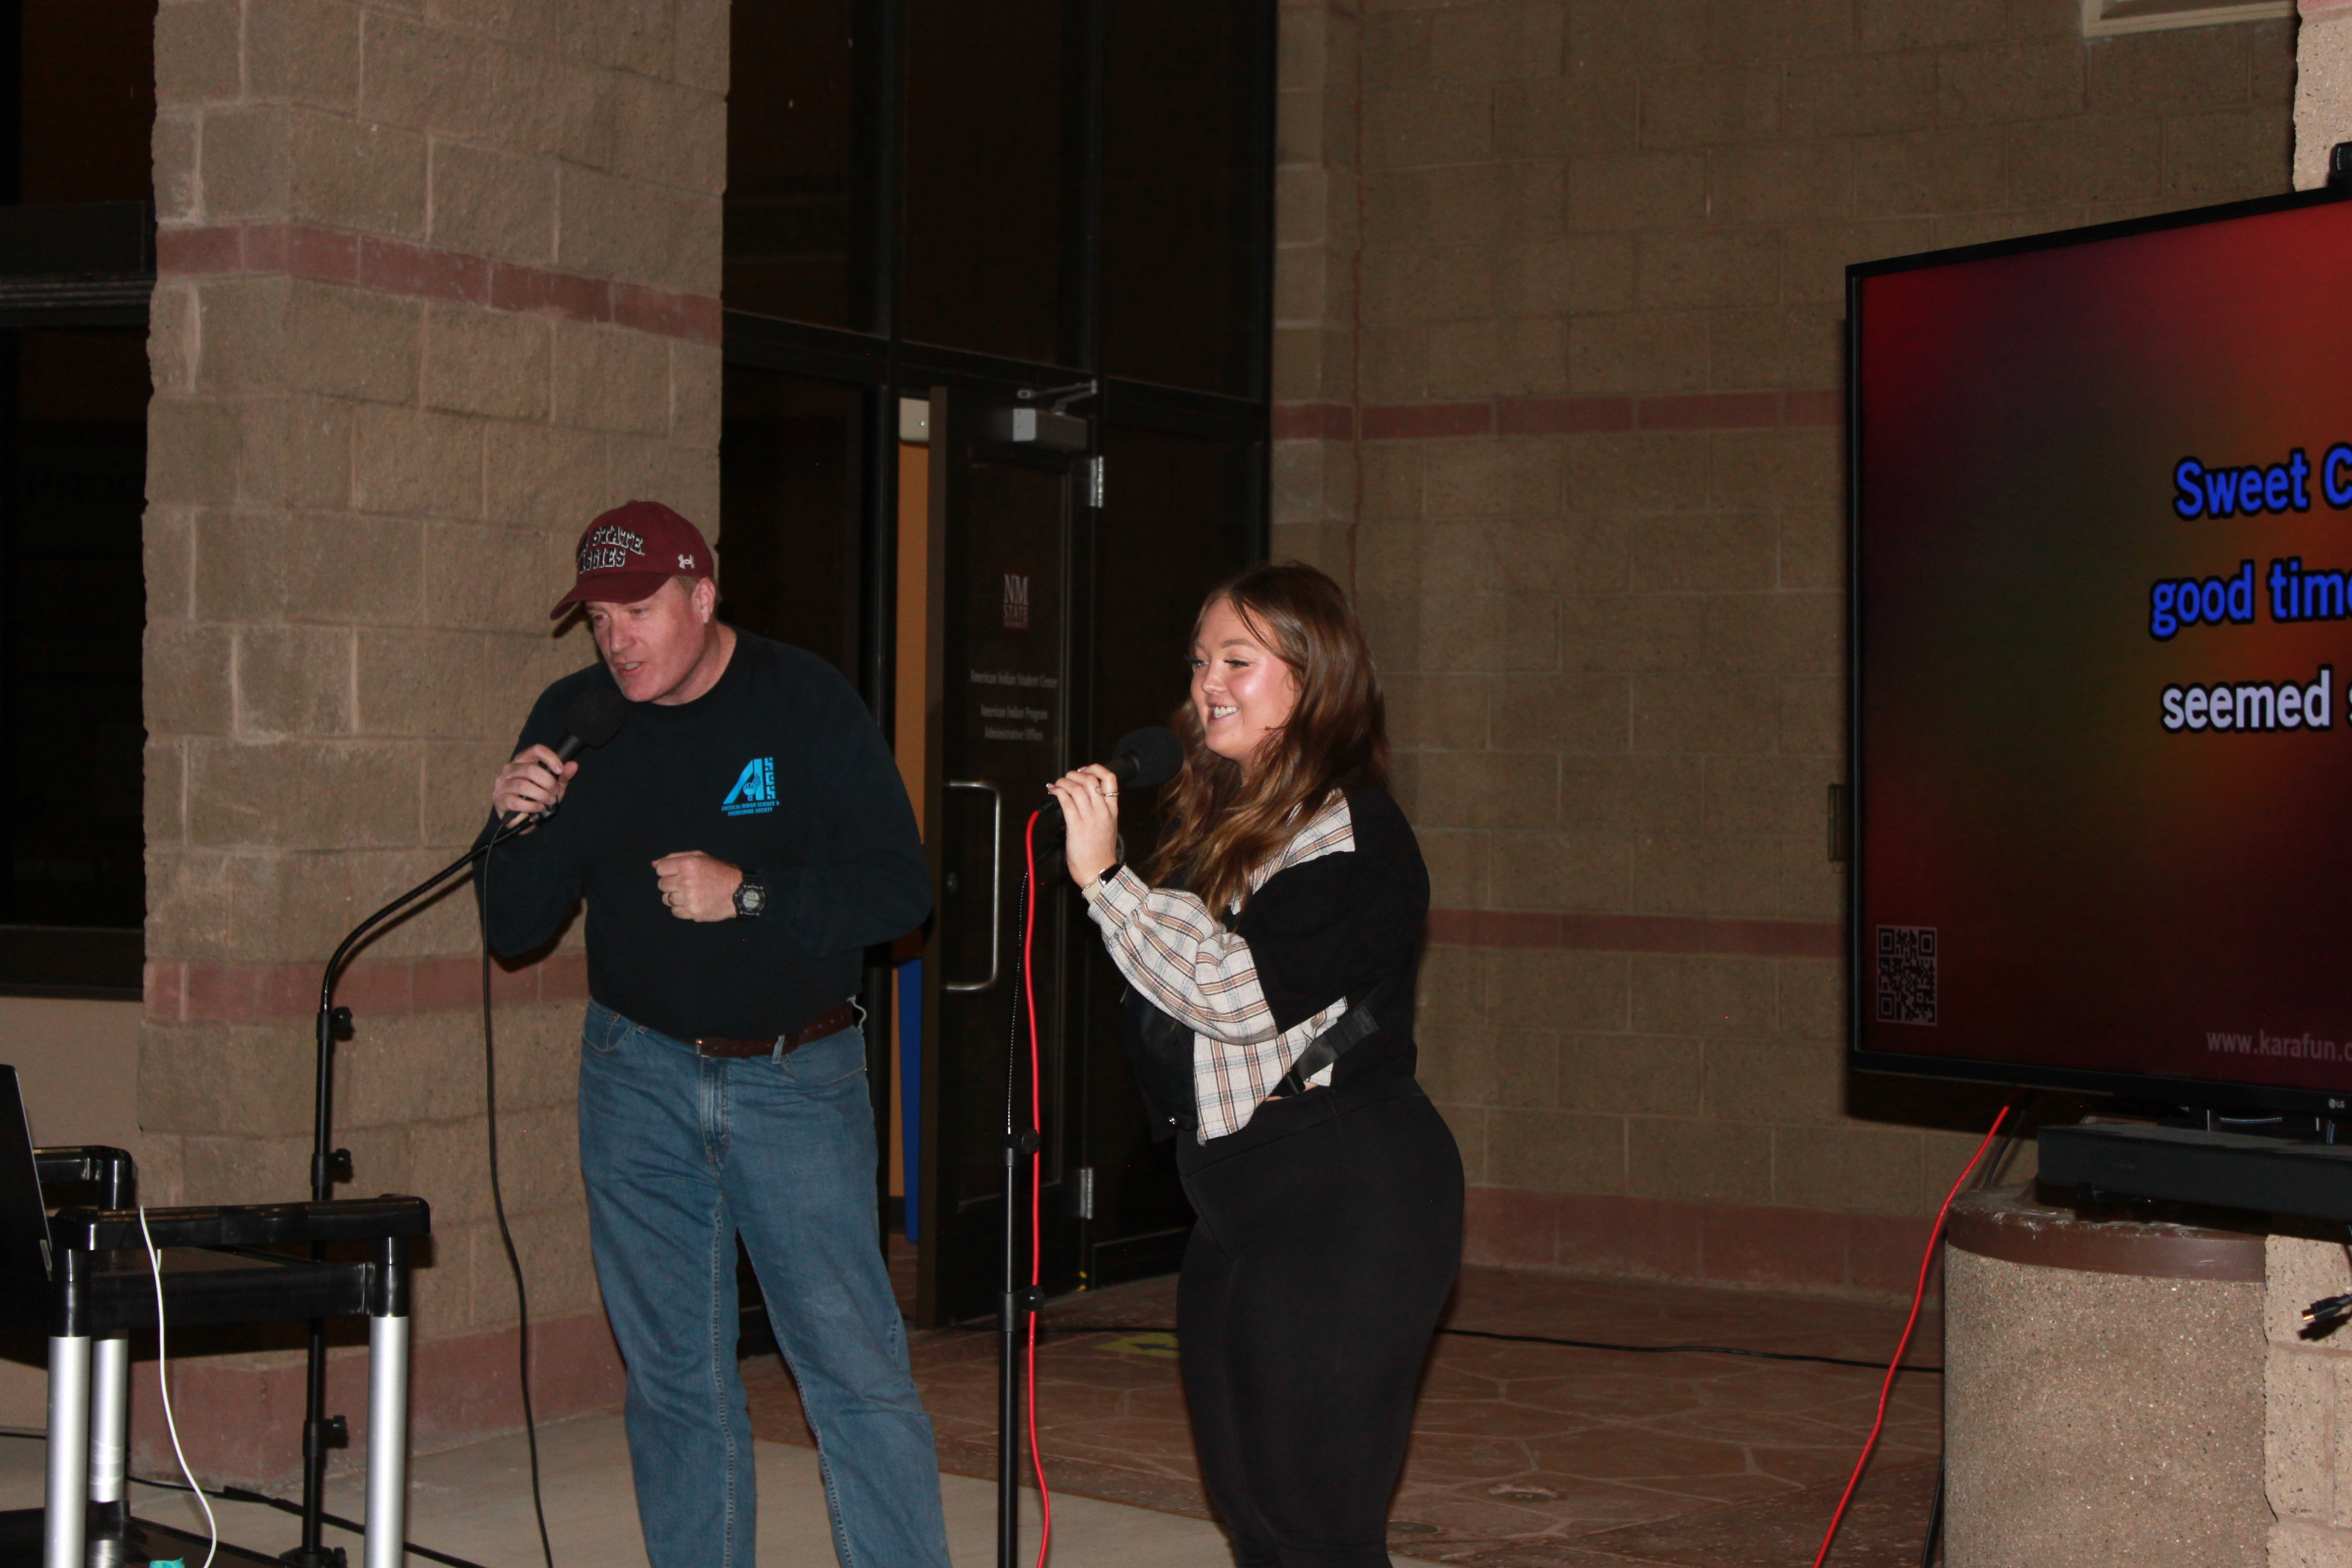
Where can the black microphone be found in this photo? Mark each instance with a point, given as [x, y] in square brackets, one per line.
[1147, 757]
[592, 717]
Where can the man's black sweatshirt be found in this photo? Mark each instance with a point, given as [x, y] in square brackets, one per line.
[779, 768]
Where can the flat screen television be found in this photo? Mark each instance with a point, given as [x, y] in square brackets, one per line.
[2101, 659]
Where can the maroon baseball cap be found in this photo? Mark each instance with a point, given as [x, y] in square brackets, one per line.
[632, 549]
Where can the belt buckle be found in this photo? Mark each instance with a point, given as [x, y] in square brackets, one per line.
[716, 1051]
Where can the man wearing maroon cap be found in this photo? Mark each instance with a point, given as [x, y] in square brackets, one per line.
[740, 843]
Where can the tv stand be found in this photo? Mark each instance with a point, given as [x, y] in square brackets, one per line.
[2231, 1170]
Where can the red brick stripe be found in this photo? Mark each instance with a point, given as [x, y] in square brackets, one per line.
[431, 272]
[1562, 416]
[1711, 411]
[1635, 933]
[198, 991]
[1417, 421]
[1810, 410]
[1314, 422]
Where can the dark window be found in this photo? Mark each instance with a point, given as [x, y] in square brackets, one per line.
[1180, 219]
[72, 499]
[789, 466]
[86, 101]
[1178, 522]
[799, 201]
[990, 162]
[76, 270]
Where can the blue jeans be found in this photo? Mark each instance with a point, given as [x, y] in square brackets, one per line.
[680, 1153]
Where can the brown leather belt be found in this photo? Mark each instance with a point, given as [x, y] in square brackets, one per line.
[817, 1028]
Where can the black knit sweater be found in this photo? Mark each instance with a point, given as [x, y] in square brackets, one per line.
[1346, 925]
[778, 769]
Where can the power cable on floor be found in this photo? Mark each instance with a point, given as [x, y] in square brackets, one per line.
[163, 1390]
[1993, 1170]
[1918, 1299]
[1520, 1339]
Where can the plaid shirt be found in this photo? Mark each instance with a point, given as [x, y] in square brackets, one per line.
[1174, 952]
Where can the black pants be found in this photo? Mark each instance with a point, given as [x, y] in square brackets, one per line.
[1327, 1240]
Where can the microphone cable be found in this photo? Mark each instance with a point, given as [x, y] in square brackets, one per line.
[1918, 1296]
[498, 1193]
[1170, 1329]
[1027, 1007]
[163, 1388]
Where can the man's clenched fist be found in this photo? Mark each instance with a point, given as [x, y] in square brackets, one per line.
[696, 886]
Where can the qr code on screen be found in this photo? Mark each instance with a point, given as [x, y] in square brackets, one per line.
[1907, 974]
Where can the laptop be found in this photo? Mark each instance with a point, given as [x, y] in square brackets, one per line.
[24, 1221]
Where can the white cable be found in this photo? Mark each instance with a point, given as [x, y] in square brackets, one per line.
[163, 1382]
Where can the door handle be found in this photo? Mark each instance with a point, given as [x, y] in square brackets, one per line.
[995, 887]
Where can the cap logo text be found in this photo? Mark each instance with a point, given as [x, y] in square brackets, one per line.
[609, 548]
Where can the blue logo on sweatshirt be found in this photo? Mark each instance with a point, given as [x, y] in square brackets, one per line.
[755, 791]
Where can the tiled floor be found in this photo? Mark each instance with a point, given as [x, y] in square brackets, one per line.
[1523, 1454]
[475, 1502]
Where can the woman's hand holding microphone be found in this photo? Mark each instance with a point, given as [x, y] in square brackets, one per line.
[1090, 797]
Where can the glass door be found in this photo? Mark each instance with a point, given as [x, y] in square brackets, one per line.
[1062, 627]
[1011, 519]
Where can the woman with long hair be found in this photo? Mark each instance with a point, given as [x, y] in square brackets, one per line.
[1269, 953]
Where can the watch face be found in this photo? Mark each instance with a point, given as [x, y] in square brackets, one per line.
[750, 898]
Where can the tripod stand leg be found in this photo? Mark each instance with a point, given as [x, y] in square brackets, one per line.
[110, 1432]
[67, 1507]
[388, 1461]
[110, 1417]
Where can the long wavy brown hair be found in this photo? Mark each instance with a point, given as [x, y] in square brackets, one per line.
[1218, 826]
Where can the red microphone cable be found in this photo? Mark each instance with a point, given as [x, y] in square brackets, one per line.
[1919, 1295]
[1036, 1169]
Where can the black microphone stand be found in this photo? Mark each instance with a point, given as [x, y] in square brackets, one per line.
[1146, 758]
[1016, 1302]
[329, 1165]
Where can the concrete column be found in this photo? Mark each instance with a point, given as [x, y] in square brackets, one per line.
[2102, 1391]
[437, 284]
[2323, 86]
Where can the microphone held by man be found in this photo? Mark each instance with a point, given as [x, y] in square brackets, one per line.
[591, 720]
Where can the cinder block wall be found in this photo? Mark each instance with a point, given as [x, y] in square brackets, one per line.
[438, 281]
[1562, 288]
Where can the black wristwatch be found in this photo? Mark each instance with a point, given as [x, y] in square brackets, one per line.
[751, 896]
